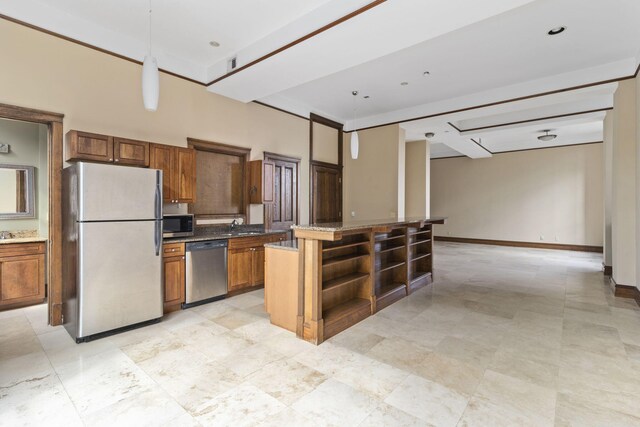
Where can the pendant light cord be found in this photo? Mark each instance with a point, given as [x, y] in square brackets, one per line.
[355, 96]
[150, 27]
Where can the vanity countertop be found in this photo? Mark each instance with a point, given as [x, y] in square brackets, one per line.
[22, 240]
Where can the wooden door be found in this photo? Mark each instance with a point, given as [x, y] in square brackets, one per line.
[174, 283]
[131, 153]
[283, 212]
[185, 175]
[257, 266]
[89, 146]
[161, 157]
[240, 269]
[21, 280]
[327, 193]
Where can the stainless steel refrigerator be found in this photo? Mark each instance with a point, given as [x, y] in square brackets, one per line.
[112, 240]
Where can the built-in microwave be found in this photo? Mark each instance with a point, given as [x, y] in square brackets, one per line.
[177, 225]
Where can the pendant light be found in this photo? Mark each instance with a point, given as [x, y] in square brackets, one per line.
[150, 77]
[355, 142]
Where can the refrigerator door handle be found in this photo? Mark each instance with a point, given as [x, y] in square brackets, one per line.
[158, 200]
[157, 236]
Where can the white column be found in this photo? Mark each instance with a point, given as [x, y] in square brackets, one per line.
[623, 202]
[607, 156]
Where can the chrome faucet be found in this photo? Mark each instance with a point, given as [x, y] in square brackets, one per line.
[234, 224]
[5, 235]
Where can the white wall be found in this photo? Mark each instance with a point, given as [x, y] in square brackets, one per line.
[555, 193]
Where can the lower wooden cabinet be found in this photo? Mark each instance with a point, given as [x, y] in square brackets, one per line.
[173, 276]
[22, 274]
[246, 262]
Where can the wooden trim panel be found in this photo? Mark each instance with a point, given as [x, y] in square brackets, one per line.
[525, 149]
[607, 270]
[557, 246]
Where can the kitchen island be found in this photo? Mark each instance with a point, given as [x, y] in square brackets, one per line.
[347, 271]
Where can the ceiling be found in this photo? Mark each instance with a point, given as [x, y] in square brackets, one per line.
[476, 53]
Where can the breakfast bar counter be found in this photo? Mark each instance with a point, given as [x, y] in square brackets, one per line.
[349, 270]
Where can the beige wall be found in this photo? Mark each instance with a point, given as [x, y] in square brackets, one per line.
[608, 186]
[417, 172]
[371, 182]
[100, 93]
[325, 143]
[28, 143]
[521, 196]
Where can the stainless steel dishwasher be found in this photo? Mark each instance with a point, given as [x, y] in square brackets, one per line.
[206, 275]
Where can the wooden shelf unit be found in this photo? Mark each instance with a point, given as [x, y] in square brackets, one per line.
[390, 267]
[420, 255]
[346, 282]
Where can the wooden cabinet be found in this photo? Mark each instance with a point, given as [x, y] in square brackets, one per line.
[130, 153]
[246, 262]
[179, 172]
[89, 146]
[261, 177]
[22, 274]
[85, 146]
[173, 276]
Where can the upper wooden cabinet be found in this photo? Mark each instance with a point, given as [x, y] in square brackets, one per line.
[179, 172]
[85, 146]
[261, 178]
[89, 146]
[130, 152]
[22, 271]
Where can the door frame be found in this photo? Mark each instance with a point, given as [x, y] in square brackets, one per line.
[268, 156]
[314, 118]
[55, 163]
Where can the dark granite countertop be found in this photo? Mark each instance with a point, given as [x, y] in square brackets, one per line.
[288, 245]
[223, 233]
[357, 224]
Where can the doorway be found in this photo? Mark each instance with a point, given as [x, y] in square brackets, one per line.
[54, 138]
[325, 168]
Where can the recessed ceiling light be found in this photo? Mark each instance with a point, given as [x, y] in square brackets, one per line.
[557, 30]
[426, 73]
[404, 83]
[547, 136]
[214, 43]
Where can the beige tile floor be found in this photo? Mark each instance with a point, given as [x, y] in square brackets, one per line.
[505, 337]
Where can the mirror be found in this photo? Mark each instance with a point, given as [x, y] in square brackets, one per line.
[17, 198]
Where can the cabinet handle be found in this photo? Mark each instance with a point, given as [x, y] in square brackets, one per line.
[182, 257]
[111, 160]
[117, 160]
[173, 250]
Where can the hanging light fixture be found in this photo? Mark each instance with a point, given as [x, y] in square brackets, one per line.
[547, 137]
[355, 142]
[150, 77]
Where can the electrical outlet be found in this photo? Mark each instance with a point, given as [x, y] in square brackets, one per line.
[353, 213]
[557, 239]
[541, 237]
[4, 148]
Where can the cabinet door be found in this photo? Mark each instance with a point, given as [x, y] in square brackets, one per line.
[257, 266]
[21, 280]
[89, 146]
[161, 157]
[268, 190]
[261, 186]
[185, 175]
[174, 285]
[240, 269]
[131, 153]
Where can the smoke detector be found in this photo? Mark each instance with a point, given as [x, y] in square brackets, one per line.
[429, 135]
